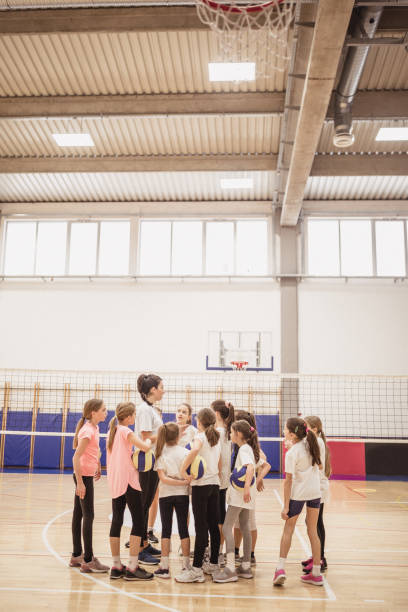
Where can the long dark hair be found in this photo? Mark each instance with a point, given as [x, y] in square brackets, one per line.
[92, 405]
[315, 422]
[168, 434]
[145, 383]
[300, 429]
[206, 416]
[123, 410]
[246, 416]
[250, 436]
[226, 410]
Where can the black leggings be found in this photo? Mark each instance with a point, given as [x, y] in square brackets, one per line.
[149, 482]
[223, 511]
[321, 531]
[133, 499]
[83, 515]
[179, 503]
[206, 517]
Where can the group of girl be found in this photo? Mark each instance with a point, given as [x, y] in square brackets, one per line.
[226, 440]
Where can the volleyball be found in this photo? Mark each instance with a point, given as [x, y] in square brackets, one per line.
[198, 468]
[237, 478]
[142, 461]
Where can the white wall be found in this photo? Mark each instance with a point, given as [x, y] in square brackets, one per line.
[119, 326]
[354, 328]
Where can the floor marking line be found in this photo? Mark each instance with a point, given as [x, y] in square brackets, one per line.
[329, 591]
[109, 587]
[355, 491]
[375, 600]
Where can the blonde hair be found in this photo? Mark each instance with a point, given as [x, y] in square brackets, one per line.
[92, 405]
[168, 434]
[315, 423]
[206, 416]
[123, 410]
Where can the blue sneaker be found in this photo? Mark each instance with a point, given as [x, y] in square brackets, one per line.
[148, 559]
[155, 552]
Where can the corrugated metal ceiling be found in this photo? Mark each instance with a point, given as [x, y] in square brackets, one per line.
[365, 133]
[132, 187]
[144, 136]
[357, 188]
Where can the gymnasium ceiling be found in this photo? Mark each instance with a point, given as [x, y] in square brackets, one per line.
[136, 79]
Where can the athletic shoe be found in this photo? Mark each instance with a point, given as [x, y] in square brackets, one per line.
[225, 575]
[138, 574]
[151, 537]
[222, 560]
[210, 568]
[191, 575]
[237, 557]
[307, 561]
[309, 567]
[76, 561]
[323, 565]
[162, 573]
[244, 573]
[155, 552]
[310, 579]
[279, 577]
[253, 559]
[241, 560]
[117, 573]
[94, 567]
[147, 559]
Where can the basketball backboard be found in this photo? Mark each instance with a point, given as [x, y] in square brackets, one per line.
[254, 347]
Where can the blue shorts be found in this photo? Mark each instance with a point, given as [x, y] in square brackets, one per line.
[296, 507]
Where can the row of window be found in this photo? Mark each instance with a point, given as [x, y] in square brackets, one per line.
[57, 248]
[356, 247]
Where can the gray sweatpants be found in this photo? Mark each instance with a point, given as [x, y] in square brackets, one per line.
[227, 529]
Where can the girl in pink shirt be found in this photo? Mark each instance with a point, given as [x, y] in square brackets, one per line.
[123, 480]
[87, 467]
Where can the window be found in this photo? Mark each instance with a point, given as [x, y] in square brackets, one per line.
[187, 247]
[82, 254]
[390, 248]
[155, 241]
[20, 247]
[356, 247]
[219, 248]
[114, 246]
[51, 248]
[252, 247]
[323, 247]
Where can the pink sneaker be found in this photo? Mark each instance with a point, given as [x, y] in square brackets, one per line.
[279, 577]
[94, 566]
[307, 561]
[310, 579]
[76, 561]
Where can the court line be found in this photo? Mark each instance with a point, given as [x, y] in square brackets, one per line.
[329, 591]
[99, 582]
[356, 492]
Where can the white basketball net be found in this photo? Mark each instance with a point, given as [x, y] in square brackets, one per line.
[254, 32]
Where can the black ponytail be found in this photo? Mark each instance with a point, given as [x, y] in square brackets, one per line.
[227, 412]
[301, 430]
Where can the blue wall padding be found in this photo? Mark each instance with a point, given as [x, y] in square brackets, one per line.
[169, 416]
[17, 448]
[267, 425]
[47, 449]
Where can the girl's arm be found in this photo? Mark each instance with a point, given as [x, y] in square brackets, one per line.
[197, 444]
[148, 435]
[263, 471]
[173, 481]
[79, 451]
[287, 488]
[248, 479]
[143, 445]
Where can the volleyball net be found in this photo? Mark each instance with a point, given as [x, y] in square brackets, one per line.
[39, 410]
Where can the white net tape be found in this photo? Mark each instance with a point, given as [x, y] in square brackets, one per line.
[256, 32]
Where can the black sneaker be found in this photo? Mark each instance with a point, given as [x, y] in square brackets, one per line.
[117, 573]
[323, 565]
[162, 573]
[155, 552]
[138, 574]
[151, 537]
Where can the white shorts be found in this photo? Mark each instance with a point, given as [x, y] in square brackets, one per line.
[252, 521]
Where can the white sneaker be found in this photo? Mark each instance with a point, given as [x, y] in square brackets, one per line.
[191, 575]
[222, 560]
[225, 575]
[210, 568]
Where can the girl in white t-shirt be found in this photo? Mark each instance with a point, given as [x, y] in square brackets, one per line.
[173, 494]
[184, 420]
[302, 485]
[316, 426]
[205, 493]
[224, 417]
[240, 502]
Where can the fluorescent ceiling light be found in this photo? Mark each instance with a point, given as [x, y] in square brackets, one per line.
[237, 183]
[392, 133]
[73, 140]
[231, 71]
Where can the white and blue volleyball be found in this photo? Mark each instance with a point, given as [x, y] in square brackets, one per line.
[143, 462]
[198, 468]
[237, 478]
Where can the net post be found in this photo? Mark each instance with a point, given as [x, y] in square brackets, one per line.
[6, 399]
[36, 403]
[65, 411]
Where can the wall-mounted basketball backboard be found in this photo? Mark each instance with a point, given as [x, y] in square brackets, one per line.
[252, 348]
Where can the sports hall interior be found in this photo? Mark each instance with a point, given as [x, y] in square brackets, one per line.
[198, 222]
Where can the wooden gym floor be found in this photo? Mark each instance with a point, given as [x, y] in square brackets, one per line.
[367, 552]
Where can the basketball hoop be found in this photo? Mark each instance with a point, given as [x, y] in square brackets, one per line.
[239, 366]
[256, 31]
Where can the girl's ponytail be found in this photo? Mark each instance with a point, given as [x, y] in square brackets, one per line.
[327, 466]
[168, 434]
[212, 435]
[123, 410]
[161, 441]
[227, 412]
[250, 436]
[90, 406]
[78, 427]
[206, 416]
[313, 447]
[113, 425]
[300, 429]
